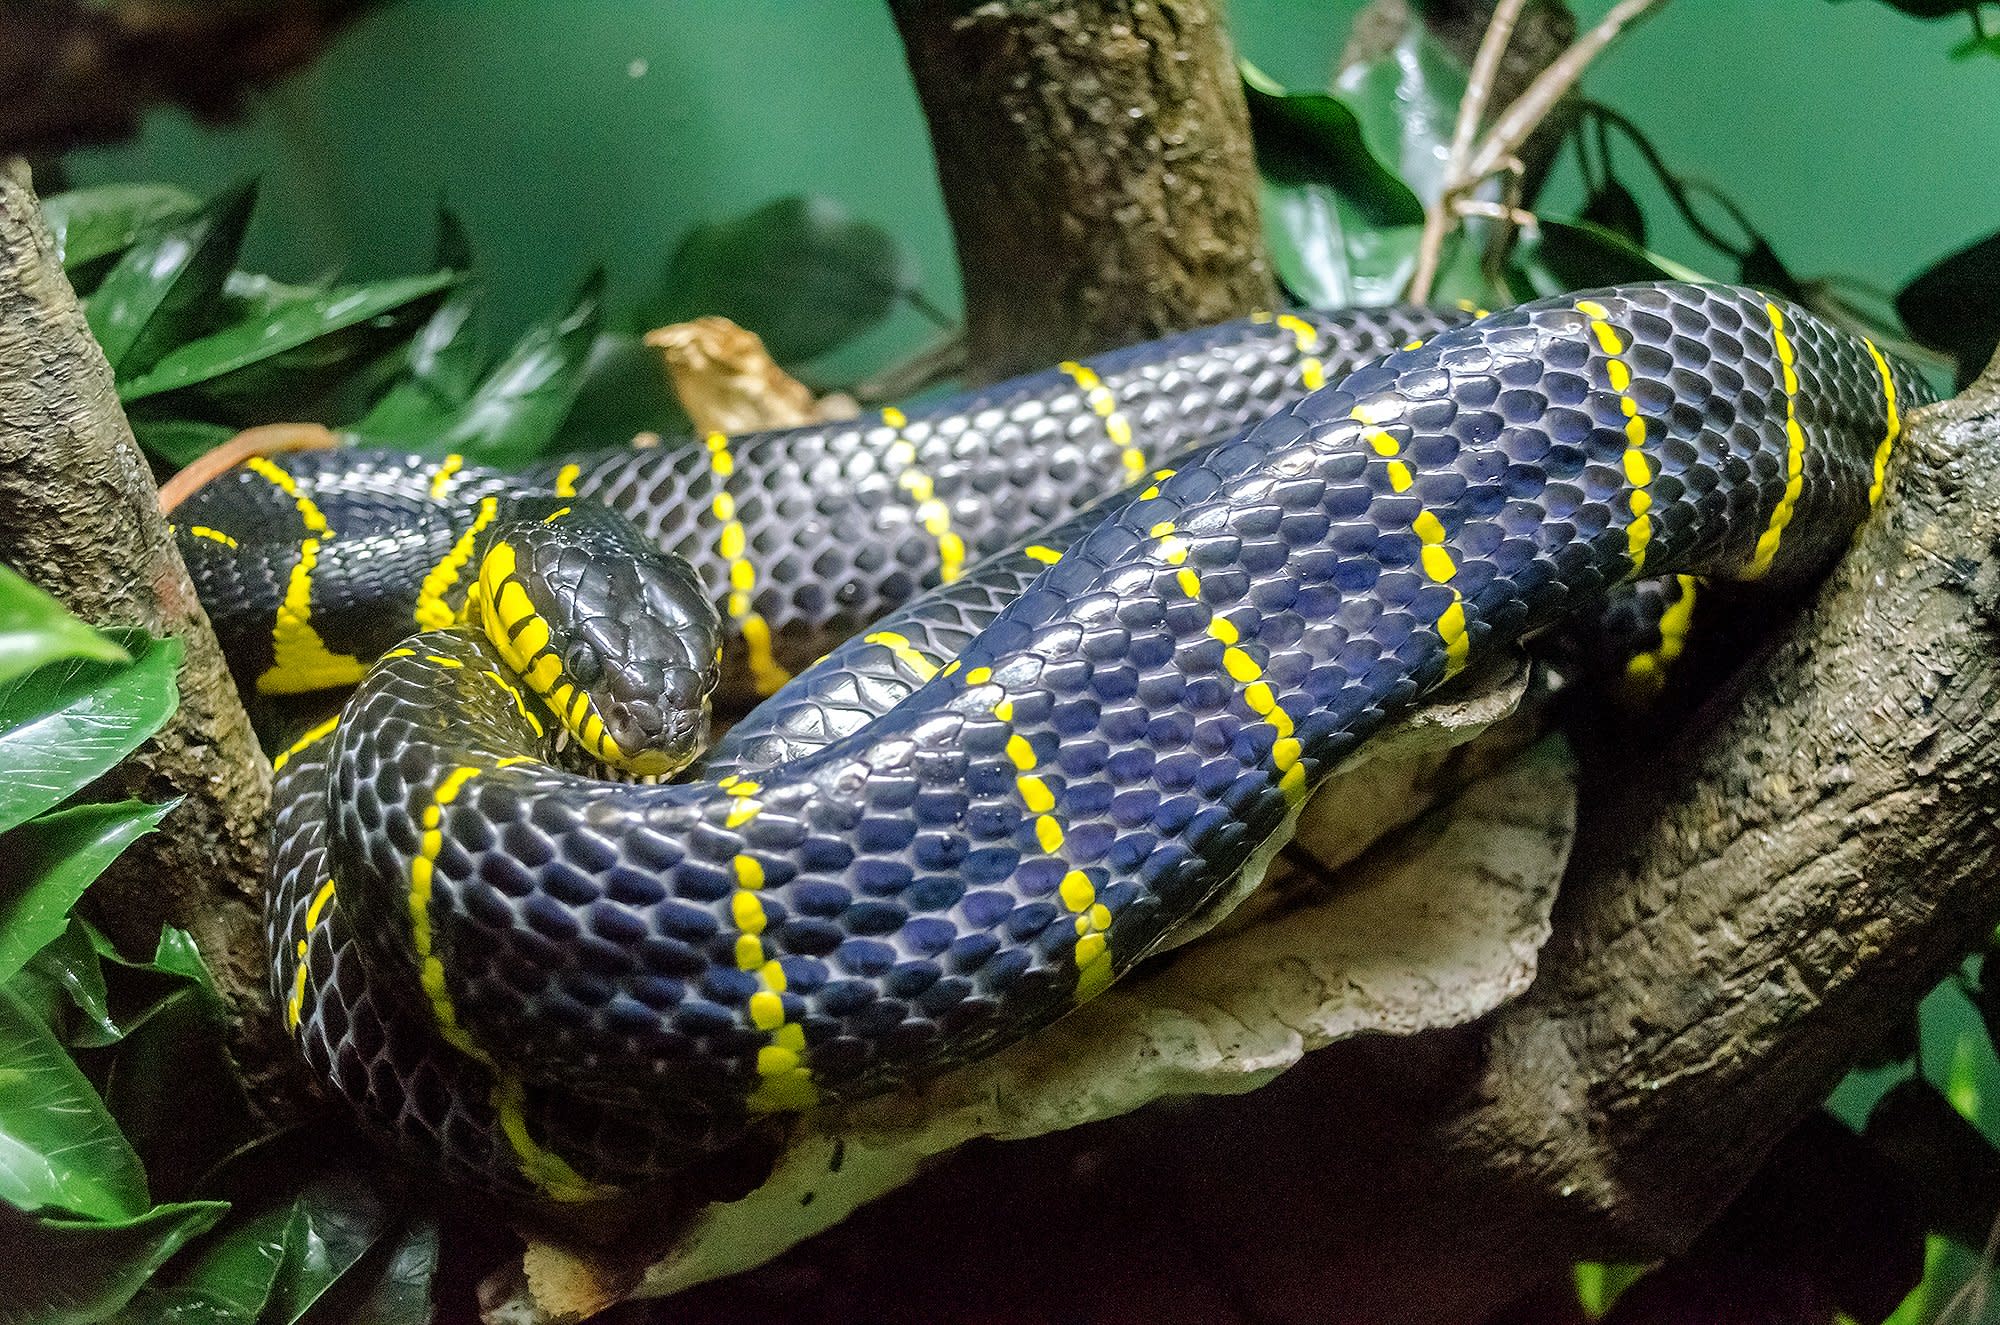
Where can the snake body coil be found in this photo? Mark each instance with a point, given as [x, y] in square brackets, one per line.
[562, 985]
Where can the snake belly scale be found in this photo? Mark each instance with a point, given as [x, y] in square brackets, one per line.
[624, 977]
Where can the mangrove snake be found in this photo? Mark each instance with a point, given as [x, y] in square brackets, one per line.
[985, 807]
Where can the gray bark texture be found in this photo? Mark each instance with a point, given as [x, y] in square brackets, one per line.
[1096, 164]
[79, 516]
[1771, 897]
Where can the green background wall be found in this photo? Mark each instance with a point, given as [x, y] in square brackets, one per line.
[575, 131]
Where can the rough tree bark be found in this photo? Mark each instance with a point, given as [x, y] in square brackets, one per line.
[78, 516]
[1096, 164]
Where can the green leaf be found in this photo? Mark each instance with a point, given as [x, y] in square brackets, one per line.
[295, 346]
[800, 272]
[1406, 101]
[71, 1272]
[342, 1218]
[518, 409]
[179, 442]
[114, 996]
[171, 1085]
[399, 1291]
[59, 1148]
[36, 630]
[625, 391]
[1327, 256]
[442, 364]
[93, 226]
[1312, 138]
[1577, 255]
[228, 1279]
[68, 722]
[161, 292]
[1954, 306]
[50, 861]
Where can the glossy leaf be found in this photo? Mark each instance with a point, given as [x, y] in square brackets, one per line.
[518, 409]
[110, 995]
[171, 1086]
[70, 721]
[162, 290]
[74, 1272]
[59, 1149]
[50, 861]
[36, 630]
[342, 1217]
[1312, 138]
[228, 1278]
[1326, 256]
[800, 272]
[1954, 306]
[1577, 255]
[442, 364]
[1406, 101]
[393, 1287]
[307, 338]
[93, 226]
[179, 442]
[625, 391]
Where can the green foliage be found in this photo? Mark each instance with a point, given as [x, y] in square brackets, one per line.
[119, 1197]
[800, 272]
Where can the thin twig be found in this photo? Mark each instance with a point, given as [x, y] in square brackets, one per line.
[1504, 140]
[1471, 108]
[1551, 85]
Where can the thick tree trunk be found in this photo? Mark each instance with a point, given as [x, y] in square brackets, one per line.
[1096, 163]
[79, 516]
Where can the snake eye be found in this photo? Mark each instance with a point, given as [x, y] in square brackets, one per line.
[581, 662]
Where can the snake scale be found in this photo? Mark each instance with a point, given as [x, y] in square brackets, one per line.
[1076, 724]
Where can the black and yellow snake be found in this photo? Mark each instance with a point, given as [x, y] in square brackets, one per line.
[1074, 727]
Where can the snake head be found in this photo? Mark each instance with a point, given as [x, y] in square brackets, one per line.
[619, 640]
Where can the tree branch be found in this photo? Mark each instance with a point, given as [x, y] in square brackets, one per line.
[1096, 163]
[79, 516]
[1500, 148]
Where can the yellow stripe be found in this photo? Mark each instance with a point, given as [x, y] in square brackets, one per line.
[212, 535]
[1432, 555]
[1638, 469]
[300, 659]
[785, 1083]
[1312, 373]
[1048, 556]
[1103, 404]
[432, 611]
[566, 480]
[1795, 452]
[905, 652]
[1092, 952]
[547, 1171]
[295, 1008]
[309, 513]
[318, 733]
[1648, 669]
[765, 673]
[441, 481]
[1893, 427]
[1246, 672]
[931, 512]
